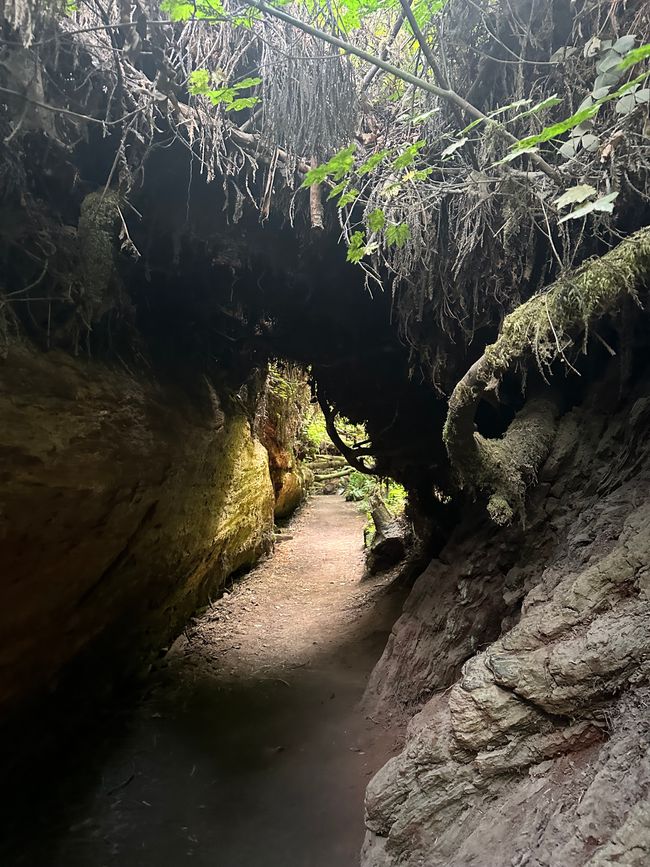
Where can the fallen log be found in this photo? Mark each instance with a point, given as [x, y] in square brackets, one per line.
[338, 474]
[391, 540]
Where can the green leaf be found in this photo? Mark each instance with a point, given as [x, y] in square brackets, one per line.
[337, 189]
[408, 154]
[624, 44]
[397, 234]
[519, 103]
[242, 102]
[417, 174]
[473, 124]
[635, 56]
[376, 220]
[348, 197]
[221, 94]
[420, 118]
[342, 162]
[590, 142]
[570, 148]
[610, 61]
[356, 247]
[557, 129]
[247, 82]
[391, 188]
[184, 10]
[575, 195]
[604, 205]
[315, 176]
[199, 85]
[508, 158]
[452, 148]
[549, 102]
[338, 166]
[372, 162]
[199, 82]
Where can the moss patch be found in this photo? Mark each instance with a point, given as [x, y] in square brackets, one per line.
[541, 327]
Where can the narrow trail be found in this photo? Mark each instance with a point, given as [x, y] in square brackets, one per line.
[249, 748]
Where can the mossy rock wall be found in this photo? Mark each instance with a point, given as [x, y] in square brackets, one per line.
[294, 484]
[124, 504]
[286, 401]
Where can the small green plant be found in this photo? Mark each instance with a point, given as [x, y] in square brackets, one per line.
[201, 84]
[360, 488]
[314, 433]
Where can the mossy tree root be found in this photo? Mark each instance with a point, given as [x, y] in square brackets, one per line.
[541, 327]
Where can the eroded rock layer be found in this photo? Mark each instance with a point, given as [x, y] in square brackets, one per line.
[126, 501]
[531, 651]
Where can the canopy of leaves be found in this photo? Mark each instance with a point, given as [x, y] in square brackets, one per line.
[459, 168]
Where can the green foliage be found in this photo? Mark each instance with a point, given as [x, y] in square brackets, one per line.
[348, 197]
[315, 434]
[351, 14]
[337, 189]
[372, 162]
[338, 166]
[605, 205]
[544, 105]
[200, 84]
[360, 488]
[358, 247]
[384, 227]
[635, 56]
[407, 156]
[184, 10]
[341, 168]
[555, 130]
[376, 220]
[397, 234]
[448, 151]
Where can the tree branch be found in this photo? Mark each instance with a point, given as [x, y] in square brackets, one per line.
[442, 92]
[353, 456]
[372, 72]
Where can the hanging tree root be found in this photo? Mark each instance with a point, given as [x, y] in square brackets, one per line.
[541, 327]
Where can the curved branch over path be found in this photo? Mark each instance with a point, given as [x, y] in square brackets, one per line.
[354, 456]
[541, 326]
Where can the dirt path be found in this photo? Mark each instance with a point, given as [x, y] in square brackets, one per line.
[250, 748]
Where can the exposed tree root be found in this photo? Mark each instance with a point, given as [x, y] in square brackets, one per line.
[542, 327]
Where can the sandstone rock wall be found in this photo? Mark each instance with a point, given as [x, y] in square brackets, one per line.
[528, 655]
[286, 398]
[124, 503]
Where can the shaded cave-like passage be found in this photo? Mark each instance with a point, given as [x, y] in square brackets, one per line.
[248, 746]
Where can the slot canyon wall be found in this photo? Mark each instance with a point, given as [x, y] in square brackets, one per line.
[125, 503]
[153, 268]
[526, 654]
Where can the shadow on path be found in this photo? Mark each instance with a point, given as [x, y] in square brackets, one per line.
[250, 748]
